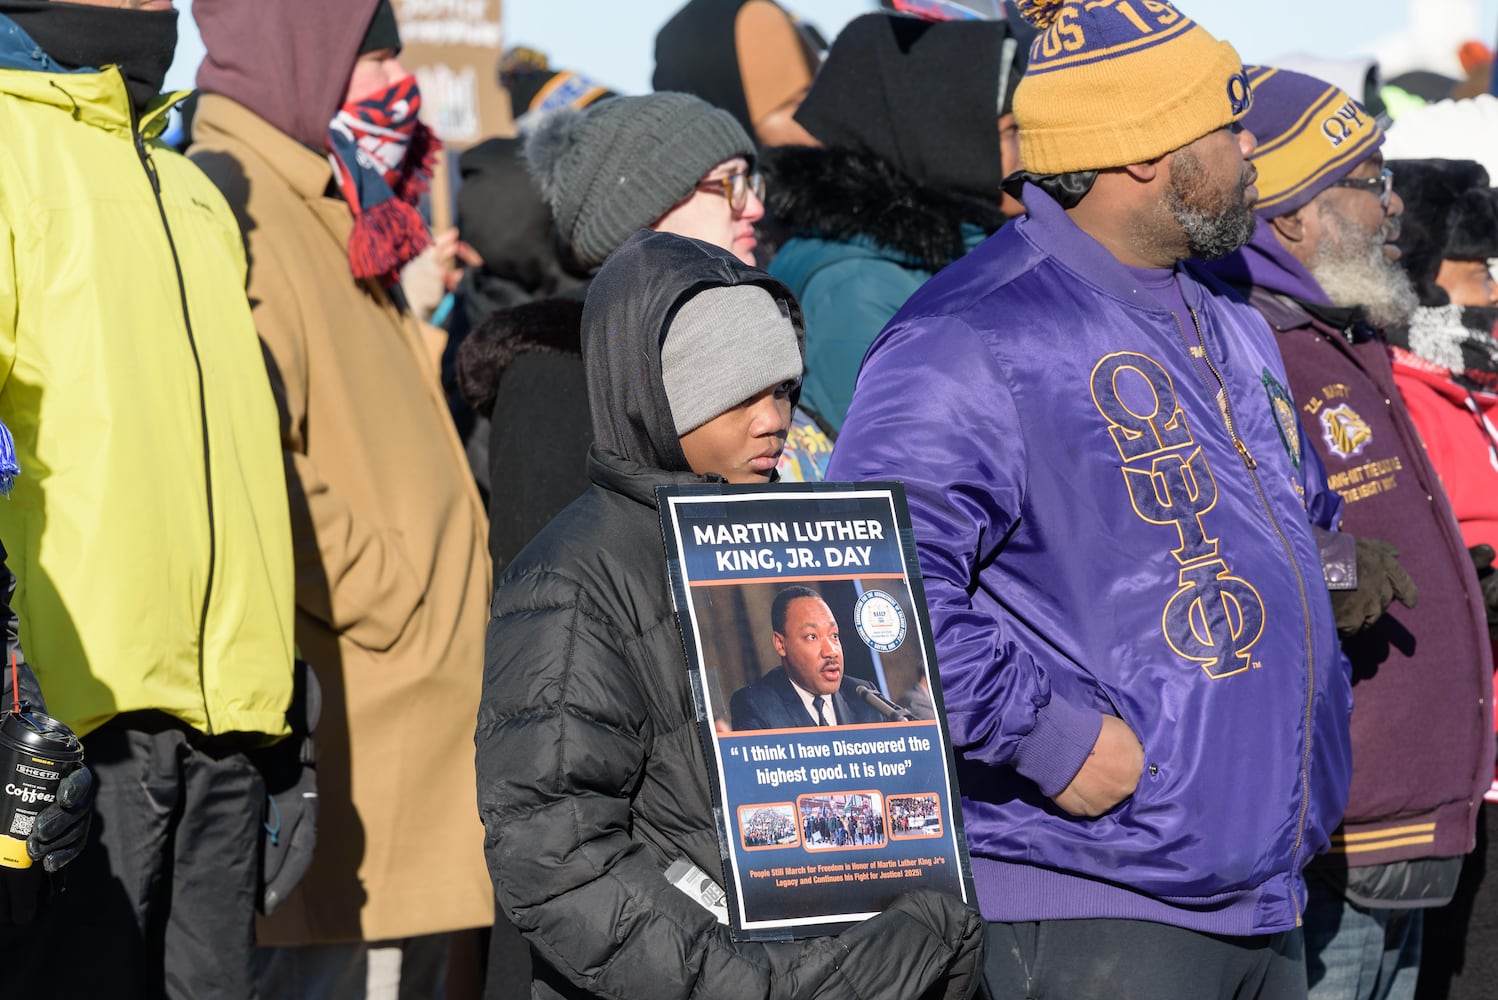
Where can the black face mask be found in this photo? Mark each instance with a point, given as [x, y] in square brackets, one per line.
[141, 43]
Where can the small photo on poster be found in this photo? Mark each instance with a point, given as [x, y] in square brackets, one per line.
[844, 820]
[768, 827]
[915, 816]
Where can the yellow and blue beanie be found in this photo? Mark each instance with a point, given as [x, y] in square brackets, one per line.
[1310, 135]
[1120, 81]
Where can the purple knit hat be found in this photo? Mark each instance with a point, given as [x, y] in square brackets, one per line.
[1310, 135]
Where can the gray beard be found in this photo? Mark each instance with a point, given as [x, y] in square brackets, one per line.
[1213, 235]
[1353, 273]
[1214, 223]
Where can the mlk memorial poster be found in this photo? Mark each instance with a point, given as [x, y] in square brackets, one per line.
[812, 663]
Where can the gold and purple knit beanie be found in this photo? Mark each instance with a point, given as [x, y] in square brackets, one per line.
[1310, 135]
[1114, 82]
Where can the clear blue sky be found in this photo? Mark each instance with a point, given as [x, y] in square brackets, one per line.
[612, 40]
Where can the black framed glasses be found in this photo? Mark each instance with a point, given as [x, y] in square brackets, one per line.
[736, 187]
[1381, 184]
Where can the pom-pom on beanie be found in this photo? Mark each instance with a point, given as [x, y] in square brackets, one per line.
[621, 164]
[1310, 134]
[1109, 84]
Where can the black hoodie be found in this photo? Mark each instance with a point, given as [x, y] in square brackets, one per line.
[630, 306]
[591, 773]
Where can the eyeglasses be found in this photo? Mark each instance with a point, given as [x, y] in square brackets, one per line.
[736, 187]
[1381, 184]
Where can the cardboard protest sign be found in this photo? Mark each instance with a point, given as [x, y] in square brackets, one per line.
[453, 47]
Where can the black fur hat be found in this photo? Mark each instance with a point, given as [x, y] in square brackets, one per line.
[1474, 226]
[1449, 212]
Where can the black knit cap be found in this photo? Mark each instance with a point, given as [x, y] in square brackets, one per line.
[923, 96]
[383, 32]
[1450, 213]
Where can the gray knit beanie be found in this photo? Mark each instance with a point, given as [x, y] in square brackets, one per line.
[621, 164]
[725, 345]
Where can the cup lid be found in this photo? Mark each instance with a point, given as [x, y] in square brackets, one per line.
[40, 733]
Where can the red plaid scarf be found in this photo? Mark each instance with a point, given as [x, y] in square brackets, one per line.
[382, 158]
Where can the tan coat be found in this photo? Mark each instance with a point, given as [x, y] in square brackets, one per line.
[393, 577]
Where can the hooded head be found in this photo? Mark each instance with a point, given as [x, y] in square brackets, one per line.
[289, 61]
[751, 58]
[676, 332]
[501, 215]
[924, 97]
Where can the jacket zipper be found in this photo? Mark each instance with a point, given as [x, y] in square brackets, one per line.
[1200, 351]
[150, 168]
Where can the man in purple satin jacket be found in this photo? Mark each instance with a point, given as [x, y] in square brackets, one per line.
[1113, 503]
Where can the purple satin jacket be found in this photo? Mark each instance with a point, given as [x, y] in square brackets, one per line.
[1112, 506]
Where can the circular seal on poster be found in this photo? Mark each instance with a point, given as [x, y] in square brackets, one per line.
[880, 621]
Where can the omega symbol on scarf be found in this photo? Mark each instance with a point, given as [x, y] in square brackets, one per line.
[1214, 618]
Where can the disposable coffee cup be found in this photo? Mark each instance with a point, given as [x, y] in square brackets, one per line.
[36, 753]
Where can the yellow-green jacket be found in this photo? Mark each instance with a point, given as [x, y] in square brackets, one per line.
[149, 527]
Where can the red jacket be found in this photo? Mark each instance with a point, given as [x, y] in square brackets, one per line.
[1463, 450]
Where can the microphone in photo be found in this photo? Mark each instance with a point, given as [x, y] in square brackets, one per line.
[881, 704]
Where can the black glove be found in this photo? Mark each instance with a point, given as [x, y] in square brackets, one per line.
[927, 944]
[1380, 580]
[1487, 579]
[61, 829]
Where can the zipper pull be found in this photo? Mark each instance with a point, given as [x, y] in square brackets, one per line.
[1248, 460]
[150, 165]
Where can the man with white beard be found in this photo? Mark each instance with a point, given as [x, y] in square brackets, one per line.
[1321, 269]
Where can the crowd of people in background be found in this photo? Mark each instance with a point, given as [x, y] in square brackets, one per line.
[921, 813]
[843, 821]
[335, 539]
[769, 827]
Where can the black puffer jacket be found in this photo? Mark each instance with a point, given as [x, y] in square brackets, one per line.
[591, 773]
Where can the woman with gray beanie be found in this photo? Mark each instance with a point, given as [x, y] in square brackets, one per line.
[668, 162]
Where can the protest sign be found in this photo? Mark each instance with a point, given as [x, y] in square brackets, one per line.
[453, 47]
[806, 632]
